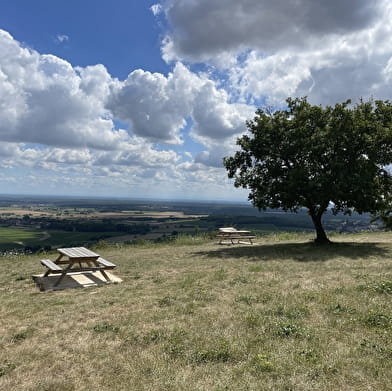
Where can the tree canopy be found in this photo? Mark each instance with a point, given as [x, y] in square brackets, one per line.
[314, 157]
[386, 218]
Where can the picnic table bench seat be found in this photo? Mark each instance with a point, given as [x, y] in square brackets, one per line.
[233, 235]
[51, 265]
[103, 264]
[108, 265]
[237, 236]
[238, 239]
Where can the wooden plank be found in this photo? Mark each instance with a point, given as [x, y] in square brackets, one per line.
[227, 229]
[51, 265]
[76, 260]
[84, 269]
[105, 263]
[78, 252]
[240, 237]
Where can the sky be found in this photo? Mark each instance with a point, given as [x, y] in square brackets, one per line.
[144, 98]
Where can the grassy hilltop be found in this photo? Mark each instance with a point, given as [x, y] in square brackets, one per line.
[282, 314]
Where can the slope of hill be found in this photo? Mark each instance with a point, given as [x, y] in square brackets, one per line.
[192, 315]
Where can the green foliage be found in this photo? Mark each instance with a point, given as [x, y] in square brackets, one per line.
[311, 157]
[289, 330]
[247, 299]
[380, 320]
[21, 335]
[166, 301]
[219, 351]
[261, 363]
[291, 313]
[105, 327]
[386, 218]
[384, 287]
[383, 349]
[6, 367]
[339, 309]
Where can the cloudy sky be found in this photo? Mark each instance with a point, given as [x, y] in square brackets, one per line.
[143, 98]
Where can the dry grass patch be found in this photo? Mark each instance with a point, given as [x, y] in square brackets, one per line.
[282, 314]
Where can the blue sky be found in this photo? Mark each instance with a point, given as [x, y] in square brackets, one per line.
[122, 35]
[144, 98]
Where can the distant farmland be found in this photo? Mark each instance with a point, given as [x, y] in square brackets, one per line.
[11, 238]
[32, 224]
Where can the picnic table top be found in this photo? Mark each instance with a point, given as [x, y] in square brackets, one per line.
[231, 230]
[78, 252]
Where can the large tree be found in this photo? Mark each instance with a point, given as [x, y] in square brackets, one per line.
[315, 157]
[386, 218]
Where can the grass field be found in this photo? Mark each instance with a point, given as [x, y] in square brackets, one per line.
[19, 238]
[57, 239]
[283, 314]
[11, 238]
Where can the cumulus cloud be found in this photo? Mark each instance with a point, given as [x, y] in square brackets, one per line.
[57, 117]
[62, 121]
[152, 104]
[156, 106]
[85, 124]
[43, 99]
[354, 65]
[215, 117]
[328, 51]
[203, 29]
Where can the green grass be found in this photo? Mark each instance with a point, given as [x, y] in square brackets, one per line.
[283, 314]
[19, 238]
[18, 234]
[69, 239]
[11, 238]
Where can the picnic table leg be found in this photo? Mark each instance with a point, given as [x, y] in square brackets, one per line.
[105, 275]
[101, 270]
[63, 274]
[58, 258]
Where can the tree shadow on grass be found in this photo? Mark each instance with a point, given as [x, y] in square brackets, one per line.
[300, 252]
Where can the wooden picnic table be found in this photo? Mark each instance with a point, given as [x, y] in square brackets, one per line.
[77, 259]
[234, 236]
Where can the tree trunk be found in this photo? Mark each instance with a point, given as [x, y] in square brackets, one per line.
[321, 236]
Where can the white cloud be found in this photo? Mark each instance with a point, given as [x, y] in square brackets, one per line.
[203, 29]
[329, 51]
[215, 117]
[156, 107]
[156, 9]
[44, 100]
[66, 123]
[62, 38]
[57, 125]
[351, 66]
[54, 117]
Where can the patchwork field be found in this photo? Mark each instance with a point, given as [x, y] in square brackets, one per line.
[70, 213]
[18, 237]
[37, 227]
[33, 224]
[22, 238]
[283, 314]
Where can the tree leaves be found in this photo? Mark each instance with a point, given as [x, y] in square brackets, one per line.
[312, 156]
